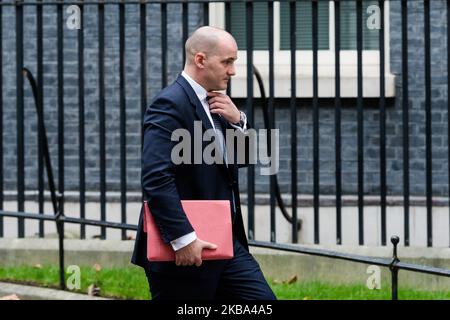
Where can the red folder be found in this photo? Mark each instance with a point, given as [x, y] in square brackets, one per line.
[211, 220]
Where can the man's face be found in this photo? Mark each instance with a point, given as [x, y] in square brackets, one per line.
[219, 66]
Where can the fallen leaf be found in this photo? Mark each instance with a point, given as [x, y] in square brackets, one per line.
[93, 290]
[306, 298]
[292, 280]
[38, 266]
[276, 281]
[97, 267]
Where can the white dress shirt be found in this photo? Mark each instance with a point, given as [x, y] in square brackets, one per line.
[201, 93]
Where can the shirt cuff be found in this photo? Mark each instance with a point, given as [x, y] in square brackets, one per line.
[183, 241]
[243, 128]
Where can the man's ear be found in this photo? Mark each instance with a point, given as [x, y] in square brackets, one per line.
[199, 60]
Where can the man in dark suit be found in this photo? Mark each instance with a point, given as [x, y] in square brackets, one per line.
[210, 57]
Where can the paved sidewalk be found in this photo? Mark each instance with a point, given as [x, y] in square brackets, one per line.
[36, 293]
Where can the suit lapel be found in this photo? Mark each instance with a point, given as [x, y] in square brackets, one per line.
[195, 102]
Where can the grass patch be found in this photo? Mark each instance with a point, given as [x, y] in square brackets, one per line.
[131, 283]
[316, 290]
[124, 283]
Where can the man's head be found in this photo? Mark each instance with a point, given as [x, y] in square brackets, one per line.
[210, 56]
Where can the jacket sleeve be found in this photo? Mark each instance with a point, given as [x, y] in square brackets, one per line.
[162, 117]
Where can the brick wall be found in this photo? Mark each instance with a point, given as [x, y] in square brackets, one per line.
[305, 148]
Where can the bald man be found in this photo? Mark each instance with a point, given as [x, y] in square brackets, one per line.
[193, 97]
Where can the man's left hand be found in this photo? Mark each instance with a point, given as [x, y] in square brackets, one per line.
[221, 104]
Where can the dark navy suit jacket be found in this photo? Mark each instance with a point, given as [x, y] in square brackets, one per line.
[165, 184]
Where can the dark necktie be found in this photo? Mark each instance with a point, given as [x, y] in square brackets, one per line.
[223, 151]
[220, 136]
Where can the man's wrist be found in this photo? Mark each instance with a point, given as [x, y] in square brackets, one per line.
[242, 118]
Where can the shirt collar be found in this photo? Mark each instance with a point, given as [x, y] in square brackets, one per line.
[198, 89]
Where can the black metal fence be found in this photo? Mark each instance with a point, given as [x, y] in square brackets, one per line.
[57, 191]
[269, 101]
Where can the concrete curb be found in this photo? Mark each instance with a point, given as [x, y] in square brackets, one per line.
[10, 245]
[36, 293]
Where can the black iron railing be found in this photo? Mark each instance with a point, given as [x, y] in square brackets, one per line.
[250, 101]
[19, 7]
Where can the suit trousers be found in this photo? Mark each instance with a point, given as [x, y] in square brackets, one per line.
[237, 278]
